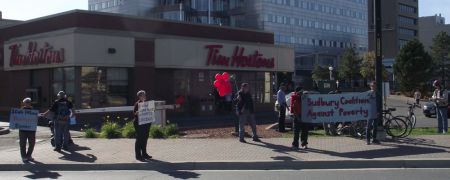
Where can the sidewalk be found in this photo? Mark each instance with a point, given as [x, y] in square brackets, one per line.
[218, 154]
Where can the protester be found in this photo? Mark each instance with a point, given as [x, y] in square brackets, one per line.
[417, 96]
[296, 110]
[245, 112]
[440, 97]
[142, 131]
[372, 124]
[281, 98]
[62, 112]
[25, 135]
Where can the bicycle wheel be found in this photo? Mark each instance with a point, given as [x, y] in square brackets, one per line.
[414, 120]
[358, 129]
[410, 125]
[396, 127]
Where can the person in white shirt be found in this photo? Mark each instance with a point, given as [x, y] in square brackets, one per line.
[440, 97]
[281, 98]
[417, 96]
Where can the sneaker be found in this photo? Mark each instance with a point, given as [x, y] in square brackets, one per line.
[256, 140]
[147, 157]
[24, 160]
[65, 148]
[140, 158]
[30, 159]
[57, 150]
[368, 143]
[304, 146]
[242, 141]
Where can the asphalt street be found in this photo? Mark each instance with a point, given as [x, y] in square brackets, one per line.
[347, 174]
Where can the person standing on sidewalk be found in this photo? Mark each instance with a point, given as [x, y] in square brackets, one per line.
[440, 97]
[142, 131]
[296, 110]
[281, 98]
[245, 112]
[62, 112]
[417, 96]
[27, 135]
[372, 124]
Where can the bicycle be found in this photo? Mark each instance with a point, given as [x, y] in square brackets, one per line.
[394, 126]
[410, 118]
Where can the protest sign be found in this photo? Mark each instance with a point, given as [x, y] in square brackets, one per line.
[23, 119]
[146, 112]
[326, 108]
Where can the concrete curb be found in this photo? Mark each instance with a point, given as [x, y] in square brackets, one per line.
[260, 165]
[4, 131]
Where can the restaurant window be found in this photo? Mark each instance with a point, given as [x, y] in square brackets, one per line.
[64, 80]
[104, 87]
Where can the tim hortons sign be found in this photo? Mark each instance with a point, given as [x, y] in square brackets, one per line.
[238, 58]
[35, 55]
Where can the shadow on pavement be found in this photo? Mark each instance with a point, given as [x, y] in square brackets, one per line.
[177, 174]
[40, 173]
[74, 156]
[418, 141]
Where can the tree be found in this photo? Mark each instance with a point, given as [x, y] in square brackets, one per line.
[320, 73]
[440, 51]
[413, 67]
[368, 67]
[350, 65]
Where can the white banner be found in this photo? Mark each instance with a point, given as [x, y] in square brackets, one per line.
[320, 108]
[23, 119]
[146, 112]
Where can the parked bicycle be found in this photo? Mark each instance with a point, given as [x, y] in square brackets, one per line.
[395, 126]
[410, 118]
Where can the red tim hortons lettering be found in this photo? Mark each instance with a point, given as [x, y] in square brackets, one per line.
[35, 56]
[238, 59]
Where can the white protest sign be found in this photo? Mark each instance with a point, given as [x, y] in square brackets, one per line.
[23, 119]
[323, 108]
[146, 112]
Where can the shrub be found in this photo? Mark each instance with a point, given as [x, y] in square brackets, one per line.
[90, 133]
[128, 130]
[110, 130]
[156, 132]
[170, 130]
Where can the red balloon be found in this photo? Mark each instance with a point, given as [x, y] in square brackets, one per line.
[225, 76]
[216, 84]
[218, 76]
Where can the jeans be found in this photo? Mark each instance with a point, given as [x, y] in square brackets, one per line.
[61, 134]
[142, 133]
[371, 129]
[23, 137]
[442, 119]
[281, 118]
[243, 118]
[304, 127]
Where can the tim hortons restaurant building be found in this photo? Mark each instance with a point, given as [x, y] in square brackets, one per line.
[102, 59]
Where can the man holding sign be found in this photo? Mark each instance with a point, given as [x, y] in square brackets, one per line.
[143, 118]
[25, 120]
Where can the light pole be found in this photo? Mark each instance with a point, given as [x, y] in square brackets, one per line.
[331, 72]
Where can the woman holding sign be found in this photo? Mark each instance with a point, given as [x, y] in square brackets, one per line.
[25, 135]
[142, 131]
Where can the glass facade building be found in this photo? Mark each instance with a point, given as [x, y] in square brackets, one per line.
[319, 30]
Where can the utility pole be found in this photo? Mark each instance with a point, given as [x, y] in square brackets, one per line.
[378, 62]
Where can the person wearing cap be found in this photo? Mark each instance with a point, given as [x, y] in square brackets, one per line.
[142, 131]
[440, 97]
[27, 135]
[62, 112]
[245, 112]
[372, 124]
[296, 110]
[281, 98]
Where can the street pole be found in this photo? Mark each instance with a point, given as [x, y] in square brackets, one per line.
[378, 64]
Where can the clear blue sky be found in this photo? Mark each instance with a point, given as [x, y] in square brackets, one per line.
[29, 9]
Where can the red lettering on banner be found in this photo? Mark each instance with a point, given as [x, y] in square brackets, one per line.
[35, 56]
[238, 59]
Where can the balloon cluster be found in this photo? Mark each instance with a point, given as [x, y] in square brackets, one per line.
[222, 84]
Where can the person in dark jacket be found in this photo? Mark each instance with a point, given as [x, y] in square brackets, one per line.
[62, 113]
[245, 112]
[142, 131]
[27, 135]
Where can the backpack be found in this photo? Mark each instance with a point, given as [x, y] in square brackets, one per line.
[62, 113]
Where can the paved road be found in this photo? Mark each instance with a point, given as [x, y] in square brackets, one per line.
[367, 174]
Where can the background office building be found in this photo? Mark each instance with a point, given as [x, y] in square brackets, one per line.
[429, 27]
[319, 30]
[399, 23]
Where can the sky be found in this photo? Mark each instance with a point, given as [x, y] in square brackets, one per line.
[30, 9]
